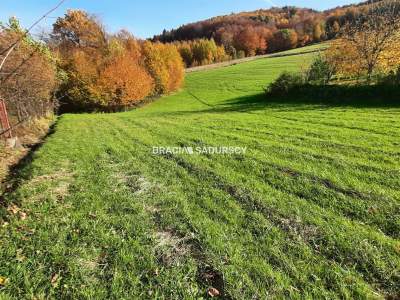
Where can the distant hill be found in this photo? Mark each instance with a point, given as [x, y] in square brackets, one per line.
[272, 30]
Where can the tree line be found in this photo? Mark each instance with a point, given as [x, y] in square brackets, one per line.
[260, 32]
[81, 67]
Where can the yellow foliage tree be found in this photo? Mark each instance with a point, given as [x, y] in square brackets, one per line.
[370, 43]
[165, 65]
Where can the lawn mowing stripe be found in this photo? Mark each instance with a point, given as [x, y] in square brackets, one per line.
[169, 138]
[375, 275]
[342, 126]
[348, 201]
[185, 185]
[331, 161]
[273, 135]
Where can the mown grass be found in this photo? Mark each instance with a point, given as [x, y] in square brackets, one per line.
[310, 211]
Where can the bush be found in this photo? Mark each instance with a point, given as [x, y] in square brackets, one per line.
[241, 54]
[320, 71]
[393, 78]
[285, 83]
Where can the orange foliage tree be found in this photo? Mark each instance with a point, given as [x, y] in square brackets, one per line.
[107, 72]
[123, 81]
[81, 44]
[251, 42]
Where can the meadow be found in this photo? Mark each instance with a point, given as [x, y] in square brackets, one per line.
[311, 210]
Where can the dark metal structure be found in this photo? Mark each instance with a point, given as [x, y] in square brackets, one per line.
[4, 121]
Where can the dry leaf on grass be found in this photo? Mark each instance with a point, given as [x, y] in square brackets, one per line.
[213, 292]
[5, 224]
[3, 281]
[22, 215]
[13, 209]
[54, 279]
[20, 256]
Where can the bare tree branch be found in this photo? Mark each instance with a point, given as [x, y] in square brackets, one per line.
[15, 44]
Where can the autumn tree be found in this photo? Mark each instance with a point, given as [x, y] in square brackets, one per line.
[284, 40]
[165, 65]
[124, 80]
[335, 28]
[318, 32]
[28, 79]
[225, 37]
[175, 67]
[343, 57]
[251, 41]
[202, 52]
[369, 42]
[81, 44]
[247, 41]
[220, 54]
[186, 52]
[78, 29]
[108, 72]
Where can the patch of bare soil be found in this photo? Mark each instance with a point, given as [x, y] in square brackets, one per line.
[171, 248]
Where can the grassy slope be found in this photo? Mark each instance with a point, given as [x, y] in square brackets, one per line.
[311, 210]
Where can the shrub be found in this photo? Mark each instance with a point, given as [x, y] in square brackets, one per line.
[393, 78]
[285, 83]
[241, 54]
[320, 71]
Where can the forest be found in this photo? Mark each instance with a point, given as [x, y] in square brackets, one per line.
[259, 32]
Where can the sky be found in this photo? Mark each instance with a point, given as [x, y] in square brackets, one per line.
[145, 18]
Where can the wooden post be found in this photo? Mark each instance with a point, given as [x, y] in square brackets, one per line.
[4, 121]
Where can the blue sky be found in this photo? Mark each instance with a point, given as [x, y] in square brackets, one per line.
[148, 17]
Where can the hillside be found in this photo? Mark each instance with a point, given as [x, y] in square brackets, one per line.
[309, 210]
[268, 30]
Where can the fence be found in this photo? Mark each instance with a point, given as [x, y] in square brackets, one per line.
[4, 121]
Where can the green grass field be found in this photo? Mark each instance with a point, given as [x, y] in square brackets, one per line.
[311, 210]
